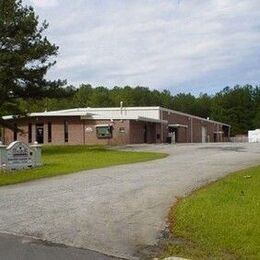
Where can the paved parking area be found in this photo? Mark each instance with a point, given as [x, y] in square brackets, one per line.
[118, 209]
[25, 248]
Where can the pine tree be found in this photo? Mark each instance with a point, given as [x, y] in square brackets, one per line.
[25, 57]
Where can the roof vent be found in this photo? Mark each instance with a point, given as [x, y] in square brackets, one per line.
[121, 107]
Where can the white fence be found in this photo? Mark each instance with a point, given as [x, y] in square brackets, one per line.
[239, 139]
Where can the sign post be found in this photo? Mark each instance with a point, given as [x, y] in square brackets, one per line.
[37, 154]
[19, 155]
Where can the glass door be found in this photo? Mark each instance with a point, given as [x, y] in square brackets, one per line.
[39, 133]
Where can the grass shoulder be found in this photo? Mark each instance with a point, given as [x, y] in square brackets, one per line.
[59, 160]
[219, 221]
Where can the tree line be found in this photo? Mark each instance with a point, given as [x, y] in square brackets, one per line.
[238, 106]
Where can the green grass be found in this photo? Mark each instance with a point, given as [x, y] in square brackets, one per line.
[219, 221]
[58, 160]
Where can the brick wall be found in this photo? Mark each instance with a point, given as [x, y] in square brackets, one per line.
[137, 132]
[183, 135]
[21, 136]
[124, 131]
[78, 131]
[193, 132]
[120, 132]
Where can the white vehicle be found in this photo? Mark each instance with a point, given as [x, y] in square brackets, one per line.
[254, 136]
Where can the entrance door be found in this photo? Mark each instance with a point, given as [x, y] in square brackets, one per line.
[39, 133]
[203, 134]
[173, 133]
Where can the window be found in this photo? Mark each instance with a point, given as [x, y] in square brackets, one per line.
[49, 132]
[104, 131]
[66, 131]
[39, 130]
[121, 130]
[1, 134]
[29, 133]
[15, 132]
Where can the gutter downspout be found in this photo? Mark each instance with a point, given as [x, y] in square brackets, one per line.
[121, 109]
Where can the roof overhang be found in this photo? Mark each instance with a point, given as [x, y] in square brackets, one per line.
[138, 118]
[177, 125]
[49, 114]
[152, 120]
[102, 125]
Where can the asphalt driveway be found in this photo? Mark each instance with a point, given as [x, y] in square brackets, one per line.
[119, 209]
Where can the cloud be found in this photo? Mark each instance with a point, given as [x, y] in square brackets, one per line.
[167, 43]
[45, 3]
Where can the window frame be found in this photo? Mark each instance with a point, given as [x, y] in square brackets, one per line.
[49, 132]
[109, 130]
[66, 131]
[30, 133]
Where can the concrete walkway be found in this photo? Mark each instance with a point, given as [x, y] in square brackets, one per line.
[118, 209]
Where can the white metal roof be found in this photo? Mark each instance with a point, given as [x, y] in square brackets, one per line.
[69, 112]
[108, 113]
[102, 113]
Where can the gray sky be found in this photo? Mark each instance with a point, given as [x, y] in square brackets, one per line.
[182, 45]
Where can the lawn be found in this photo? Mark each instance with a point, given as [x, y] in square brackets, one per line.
[220, 221]
[58, 160]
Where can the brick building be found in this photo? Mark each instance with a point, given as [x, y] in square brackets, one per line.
[122, 125]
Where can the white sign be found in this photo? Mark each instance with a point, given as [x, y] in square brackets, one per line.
[19, 155]
[88, 129]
